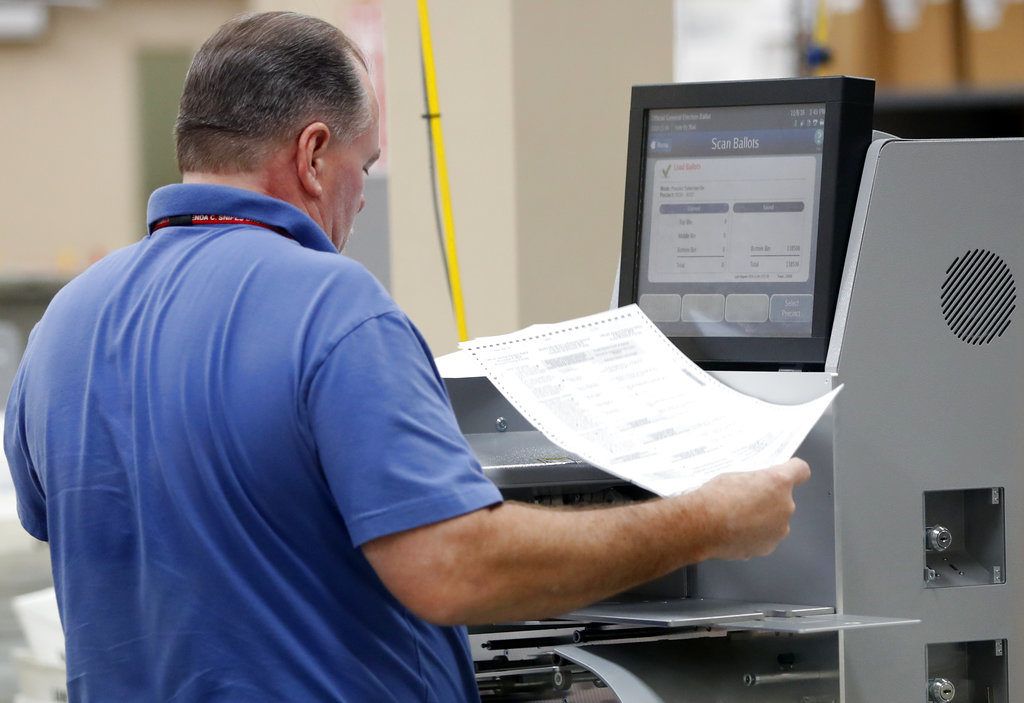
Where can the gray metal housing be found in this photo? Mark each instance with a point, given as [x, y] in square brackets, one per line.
[922, 412]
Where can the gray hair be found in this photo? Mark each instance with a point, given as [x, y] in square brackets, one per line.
[259, 80]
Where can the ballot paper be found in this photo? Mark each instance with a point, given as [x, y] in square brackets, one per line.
[459, 364]
[614, 390]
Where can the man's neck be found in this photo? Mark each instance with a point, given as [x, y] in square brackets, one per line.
[273, 180]
[248, 181]
[265, 183]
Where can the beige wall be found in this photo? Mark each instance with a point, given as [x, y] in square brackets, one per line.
[68, 128]
[575, 63]
[331, 10]
[535, 98]
[473, 53]
[69, 124]
[534, 95]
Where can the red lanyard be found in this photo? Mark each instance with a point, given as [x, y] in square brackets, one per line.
[191, 220]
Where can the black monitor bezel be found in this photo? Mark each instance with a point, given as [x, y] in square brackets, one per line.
[849, 104]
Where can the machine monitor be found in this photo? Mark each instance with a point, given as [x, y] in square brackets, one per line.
[739, 199]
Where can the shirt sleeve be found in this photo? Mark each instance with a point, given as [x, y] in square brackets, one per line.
[386, 436]
[27, 487]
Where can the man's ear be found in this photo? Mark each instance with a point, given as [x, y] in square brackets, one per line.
[309, 153]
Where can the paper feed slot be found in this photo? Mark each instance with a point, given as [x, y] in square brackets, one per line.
[732, 615]
[528, 458]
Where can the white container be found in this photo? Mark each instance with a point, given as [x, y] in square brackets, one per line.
[42, 681]
[40, 621]
[19, 698]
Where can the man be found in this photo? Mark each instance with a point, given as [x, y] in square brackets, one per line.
[241, 453]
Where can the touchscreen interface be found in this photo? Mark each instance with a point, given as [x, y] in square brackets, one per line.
[730, 219]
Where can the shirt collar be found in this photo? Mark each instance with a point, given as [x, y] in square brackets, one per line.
[207, 199]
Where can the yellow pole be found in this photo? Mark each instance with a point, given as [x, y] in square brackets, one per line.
[819, 37]
[448, 221]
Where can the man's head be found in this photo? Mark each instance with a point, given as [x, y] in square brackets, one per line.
[282, 103]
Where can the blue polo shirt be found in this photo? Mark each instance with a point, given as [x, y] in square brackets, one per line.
[206, 426]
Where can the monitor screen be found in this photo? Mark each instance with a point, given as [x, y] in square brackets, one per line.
[738, 205]
[731, 205]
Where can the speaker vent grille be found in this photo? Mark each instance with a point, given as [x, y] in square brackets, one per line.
[979, 296]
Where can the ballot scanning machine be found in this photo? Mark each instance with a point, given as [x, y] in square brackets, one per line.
[786, 248]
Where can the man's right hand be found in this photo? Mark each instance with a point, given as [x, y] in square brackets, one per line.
[749, 513]
[521, 562]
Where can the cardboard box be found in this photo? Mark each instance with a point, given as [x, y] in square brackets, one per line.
[856, 39]
[993, 42]
[922, 47]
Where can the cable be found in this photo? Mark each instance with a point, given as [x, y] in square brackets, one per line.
[439, 228]
[437, 143]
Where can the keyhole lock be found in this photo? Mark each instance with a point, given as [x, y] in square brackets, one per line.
[938, 538]
[941, 690]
